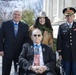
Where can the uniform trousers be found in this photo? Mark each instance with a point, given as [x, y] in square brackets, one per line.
[69, 67]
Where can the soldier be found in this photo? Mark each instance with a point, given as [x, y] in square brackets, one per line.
[66, 41]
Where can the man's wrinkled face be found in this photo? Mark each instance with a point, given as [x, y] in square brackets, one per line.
[70, 18]
[36, 36]
[17, 16]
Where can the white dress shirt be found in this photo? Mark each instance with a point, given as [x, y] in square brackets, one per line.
[41, 55]
[70, 24]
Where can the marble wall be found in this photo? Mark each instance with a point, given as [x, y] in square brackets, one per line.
[53, 9]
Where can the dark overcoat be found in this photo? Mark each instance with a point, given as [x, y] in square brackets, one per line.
[9, 43]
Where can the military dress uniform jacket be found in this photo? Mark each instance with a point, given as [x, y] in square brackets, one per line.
[66, 41]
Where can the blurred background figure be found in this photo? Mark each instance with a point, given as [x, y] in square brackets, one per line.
[43, 23]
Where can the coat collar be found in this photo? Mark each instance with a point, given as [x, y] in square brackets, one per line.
[43, 47]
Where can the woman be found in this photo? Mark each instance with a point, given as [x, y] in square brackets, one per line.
[43, 23]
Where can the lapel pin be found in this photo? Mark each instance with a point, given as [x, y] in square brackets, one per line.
[31, 46]
[43, 49]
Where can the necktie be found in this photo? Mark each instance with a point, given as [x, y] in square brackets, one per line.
[15, 28]
[36, 56]
[70, 25]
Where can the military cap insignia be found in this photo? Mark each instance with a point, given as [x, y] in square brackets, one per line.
[69, 11]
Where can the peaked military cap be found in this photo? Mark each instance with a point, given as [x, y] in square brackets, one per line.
[69, 11]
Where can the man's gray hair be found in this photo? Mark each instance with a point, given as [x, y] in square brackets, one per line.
[17, 9]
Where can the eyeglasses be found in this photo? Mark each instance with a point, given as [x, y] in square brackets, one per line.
[36, 35]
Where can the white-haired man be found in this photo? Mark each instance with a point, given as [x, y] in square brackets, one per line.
[36, 58]
[12, 36]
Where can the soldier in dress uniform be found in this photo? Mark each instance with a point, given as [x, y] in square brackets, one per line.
[66, 41]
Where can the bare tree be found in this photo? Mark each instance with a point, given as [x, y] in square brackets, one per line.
[6, 7]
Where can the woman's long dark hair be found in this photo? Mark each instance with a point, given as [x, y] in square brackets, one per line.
[47, 23]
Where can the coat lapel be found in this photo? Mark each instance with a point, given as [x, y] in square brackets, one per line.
[12, 28]
[44, 52]
[19, 29]
[31, 52]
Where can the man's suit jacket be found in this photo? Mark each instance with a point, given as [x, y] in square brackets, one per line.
[66, 41]
[27, 55]
[9, 43]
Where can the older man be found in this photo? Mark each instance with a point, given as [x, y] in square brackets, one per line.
[12, 36]
[37, 58]
[66, 41]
